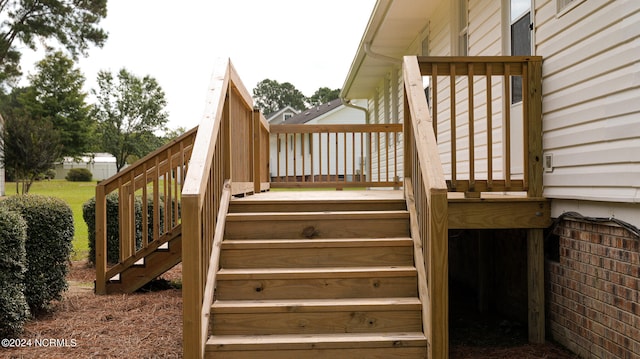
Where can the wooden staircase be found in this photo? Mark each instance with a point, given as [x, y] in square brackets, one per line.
[316, 279]
[146, 265]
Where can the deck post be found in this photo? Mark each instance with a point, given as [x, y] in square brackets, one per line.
[192, 278]
[101, 240]
[535, 274]
[535, 237]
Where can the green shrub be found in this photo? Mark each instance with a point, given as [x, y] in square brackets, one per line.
[48, 245]
[113, 228]
[79, 175]
[14, 310]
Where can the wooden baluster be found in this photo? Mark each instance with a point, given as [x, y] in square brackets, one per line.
[454, 160]
[303, 155]
[337, 156]
[145, 208]
[156, 199]
[369, 157]
[525, 124]
[386, 145]
[489, 101]
[353, 156]
[471, 192]
[506, 99]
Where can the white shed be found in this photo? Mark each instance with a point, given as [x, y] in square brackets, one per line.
[101, 165]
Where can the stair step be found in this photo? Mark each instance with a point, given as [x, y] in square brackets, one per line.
[358, 345]
[316, 253]
[320, 272]
[303, 283]
[313, 305]
[364, 315]
[249, 204]
[287, 225]
[153, 265]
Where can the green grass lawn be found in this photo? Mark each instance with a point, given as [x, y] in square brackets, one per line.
[75, 194]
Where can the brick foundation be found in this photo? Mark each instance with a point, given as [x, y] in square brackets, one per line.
[593, 292]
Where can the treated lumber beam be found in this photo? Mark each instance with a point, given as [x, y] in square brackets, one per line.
[496, 213]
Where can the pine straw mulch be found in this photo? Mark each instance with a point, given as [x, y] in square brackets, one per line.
[140, 325]
[149, 325]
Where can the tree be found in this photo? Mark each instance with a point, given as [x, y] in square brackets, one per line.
[271, 96]
[128, 113]
[323, 95]
[72, 23]
[56, 93]
[29, 147]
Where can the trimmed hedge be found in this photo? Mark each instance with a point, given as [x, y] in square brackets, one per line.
[79, 175]
[14, 310]
[48, 246]
[113, 228]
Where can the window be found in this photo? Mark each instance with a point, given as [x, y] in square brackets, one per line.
[564, 6]
[463, 28]
[520, 40]
[287, 116]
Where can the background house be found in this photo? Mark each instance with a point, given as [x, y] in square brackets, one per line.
[281, 115]
[331, 113]
[591, 142]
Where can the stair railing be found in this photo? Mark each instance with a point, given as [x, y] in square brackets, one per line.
[227, 159]
[498, 100]
[427, 190]
[153, 187]
[336, 155]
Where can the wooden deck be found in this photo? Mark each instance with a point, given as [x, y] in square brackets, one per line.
[489, 211]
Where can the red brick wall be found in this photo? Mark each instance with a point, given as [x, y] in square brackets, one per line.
[593, 291]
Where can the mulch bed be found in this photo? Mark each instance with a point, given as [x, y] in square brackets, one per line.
[149, 325]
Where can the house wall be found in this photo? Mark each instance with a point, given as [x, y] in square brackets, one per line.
[593, 290]
[387, 106]
[591, 86]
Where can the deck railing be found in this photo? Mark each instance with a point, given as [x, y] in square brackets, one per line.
[226, 160]
[487, 120]
[309, 156]
[153, 189]
[426, 193]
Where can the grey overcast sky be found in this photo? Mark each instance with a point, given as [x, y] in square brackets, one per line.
[309, 43]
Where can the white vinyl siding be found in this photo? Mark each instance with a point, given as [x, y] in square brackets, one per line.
[387, 107]
[591, 112]
[484, 36]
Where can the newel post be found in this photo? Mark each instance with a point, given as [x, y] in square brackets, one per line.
[535, 237]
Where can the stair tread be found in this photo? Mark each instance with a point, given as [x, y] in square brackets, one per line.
[318, 341]
[316, 243]
[314, 305]
[295, 216]
[319, 272]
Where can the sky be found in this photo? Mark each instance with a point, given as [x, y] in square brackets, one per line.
[309, 43]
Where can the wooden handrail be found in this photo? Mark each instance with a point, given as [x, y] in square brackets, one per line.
[336, 155]
[226, 160]
[425, 177]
